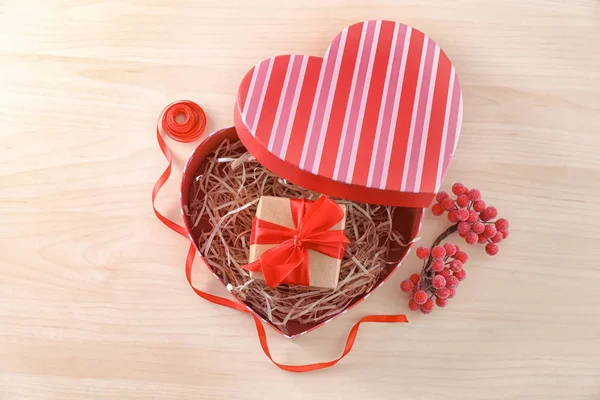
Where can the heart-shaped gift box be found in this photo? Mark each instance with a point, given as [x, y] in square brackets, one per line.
[375, 120]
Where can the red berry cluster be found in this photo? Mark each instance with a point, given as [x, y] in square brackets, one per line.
[442, 271]
[473, 218]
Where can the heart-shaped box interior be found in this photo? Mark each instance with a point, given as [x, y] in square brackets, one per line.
[376, 120]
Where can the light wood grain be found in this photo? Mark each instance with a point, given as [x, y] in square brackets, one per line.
[93, 301]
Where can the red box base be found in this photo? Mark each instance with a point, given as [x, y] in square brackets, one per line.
[407, 221]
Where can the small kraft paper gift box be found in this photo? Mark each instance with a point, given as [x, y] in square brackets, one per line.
[278, 230]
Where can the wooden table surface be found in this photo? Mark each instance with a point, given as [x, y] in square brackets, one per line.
[93, 299]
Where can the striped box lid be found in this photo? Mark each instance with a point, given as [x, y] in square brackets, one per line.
[375, 120]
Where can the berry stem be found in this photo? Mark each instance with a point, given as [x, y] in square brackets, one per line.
[451, 229]
[427, 271]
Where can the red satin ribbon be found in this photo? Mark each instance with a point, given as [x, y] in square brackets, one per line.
[288, 261]
[262, 335]
[187, 131]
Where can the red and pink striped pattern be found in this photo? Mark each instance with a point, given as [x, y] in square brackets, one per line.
[382, 109]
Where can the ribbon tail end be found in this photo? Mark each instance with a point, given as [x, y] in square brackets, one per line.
[255, 266]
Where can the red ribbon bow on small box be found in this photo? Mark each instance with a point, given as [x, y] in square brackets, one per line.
[288, 261]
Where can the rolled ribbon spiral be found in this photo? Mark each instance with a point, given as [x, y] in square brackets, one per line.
[192, 123]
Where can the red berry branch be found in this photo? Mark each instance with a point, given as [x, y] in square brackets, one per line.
[443, 266]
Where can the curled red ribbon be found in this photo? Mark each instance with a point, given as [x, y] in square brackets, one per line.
[190, 129]
[222, 301]
[288, 261]
[191, 124]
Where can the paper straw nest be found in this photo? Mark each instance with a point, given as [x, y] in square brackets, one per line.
[222, 205]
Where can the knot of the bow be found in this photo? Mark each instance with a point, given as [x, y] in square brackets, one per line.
[298, 241]
[312, 222]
